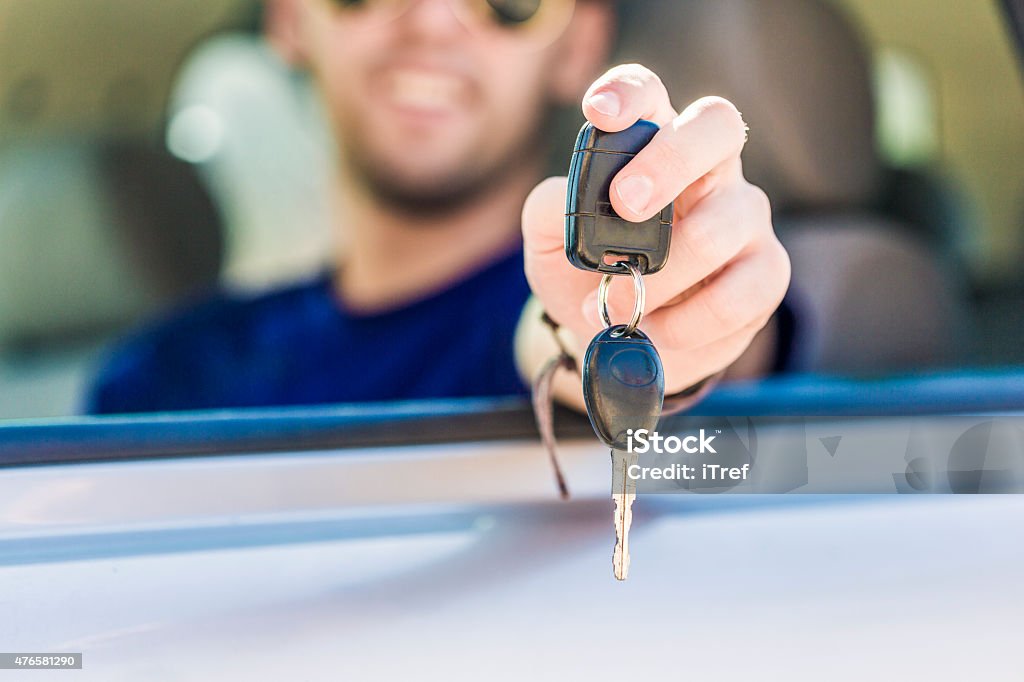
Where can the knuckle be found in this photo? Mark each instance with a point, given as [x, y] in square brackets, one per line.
[668, 158]
[705, 246]
[756, 326]
[753, 214]
[726, 115]
[785, 268]
[767, 297]
[678, 335]
[760, 203]
[715, 104]
[724, 307]
[631, 80]
[636, 73]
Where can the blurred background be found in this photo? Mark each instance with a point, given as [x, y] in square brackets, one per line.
[150, 152]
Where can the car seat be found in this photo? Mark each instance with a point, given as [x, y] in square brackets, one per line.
[99, 225]
[875, 286]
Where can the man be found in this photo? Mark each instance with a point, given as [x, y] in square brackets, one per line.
[438, 108]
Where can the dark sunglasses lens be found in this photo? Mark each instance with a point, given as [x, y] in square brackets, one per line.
[374, 11]
[513, 12]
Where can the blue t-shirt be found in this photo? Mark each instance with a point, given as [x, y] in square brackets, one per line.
[300, 346]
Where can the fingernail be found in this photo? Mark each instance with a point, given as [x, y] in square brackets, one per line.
[635, 192]
[606, 103]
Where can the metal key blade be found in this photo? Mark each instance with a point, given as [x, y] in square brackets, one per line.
[623, 495]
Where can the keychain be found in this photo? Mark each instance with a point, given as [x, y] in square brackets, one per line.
[623, 378]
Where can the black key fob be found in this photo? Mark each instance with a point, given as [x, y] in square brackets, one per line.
[623, 385]
[593, 230]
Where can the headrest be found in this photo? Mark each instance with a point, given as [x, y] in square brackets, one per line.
[61, 274]
[795, 68]
[96, 235]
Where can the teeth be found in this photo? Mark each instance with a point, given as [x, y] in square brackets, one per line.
[421, 90]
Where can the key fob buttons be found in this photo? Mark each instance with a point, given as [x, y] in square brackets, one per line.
[593, 229]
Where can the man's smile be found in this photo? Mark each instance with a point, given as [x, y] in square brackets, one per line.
[423, 92]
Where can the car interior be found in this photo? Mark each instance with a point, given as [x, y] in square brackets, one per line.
[131, 180]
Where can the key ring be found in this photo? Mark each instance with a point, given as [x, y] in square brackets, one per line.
[640, 299]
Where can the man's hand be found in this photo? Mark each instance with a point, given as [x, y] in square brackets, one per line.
[727, 271]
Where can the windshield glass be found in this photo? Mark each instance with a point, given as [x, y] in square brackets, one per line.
[231, 204]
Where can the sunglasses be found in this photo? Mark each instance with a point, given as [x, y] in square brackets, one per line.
[538, 21]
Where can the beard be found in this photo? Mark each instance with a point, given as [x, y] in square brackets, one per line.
[444, 193]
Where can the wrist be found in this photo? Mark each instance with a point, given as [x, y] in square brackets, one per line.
[536, 343]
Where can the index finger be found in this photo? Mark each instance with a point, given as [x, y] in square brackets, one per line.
[709, 135]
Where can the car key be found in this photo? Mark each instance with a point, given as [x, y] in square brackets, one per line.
[624, 387]
[623, 378]
[596, 236]
[623, 495]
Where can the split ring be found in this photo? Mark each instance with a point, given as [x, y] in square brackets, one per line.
[640, 298]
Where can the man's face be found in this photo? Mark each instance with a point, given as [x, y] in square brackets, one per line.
[430, 108]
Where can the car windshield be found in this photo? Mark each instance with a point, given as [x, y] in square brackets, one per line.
[240, 205]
